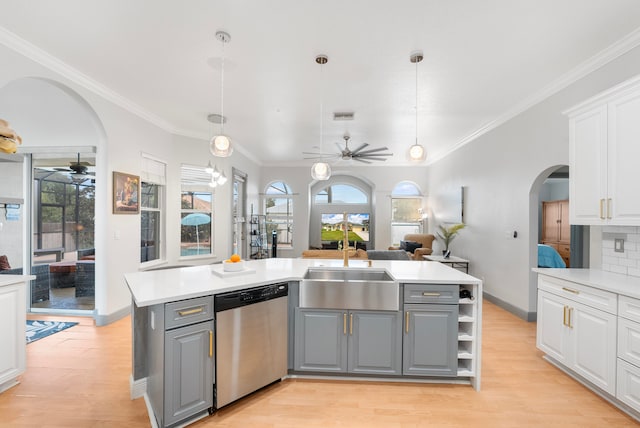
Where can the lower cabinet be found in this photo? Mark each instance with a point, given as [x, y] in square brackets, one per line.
[188, 380]
[578, 336]
[180, 357]
[430, 340]
[12, 333]
[367, 342]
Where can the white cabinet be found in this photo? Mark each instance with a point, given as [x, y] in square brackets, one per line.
[628, 382]
[603, 158]
[12, 333]
[576, 335]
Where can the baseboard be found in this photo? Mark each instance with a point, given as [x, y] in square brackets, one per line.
[137, 388]
[113, 317]
[152, 415]
[527, 316]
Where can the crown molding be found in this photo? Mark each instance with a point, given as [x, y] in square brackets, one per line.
[31, 51]
[600, 59]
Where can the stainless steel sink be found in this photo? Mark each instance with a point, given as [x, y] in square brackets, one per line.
[361, 289]
[348, 275]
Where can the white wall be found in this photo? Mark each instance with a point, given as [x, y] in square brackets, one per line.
[11, 231]
[382, 178]
[498, 170]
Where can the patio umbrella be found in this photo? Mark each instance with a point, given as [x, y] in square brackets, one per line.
[196, 219]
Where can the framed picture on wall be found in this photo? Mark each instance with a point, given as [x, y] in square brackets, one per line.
[126, 191]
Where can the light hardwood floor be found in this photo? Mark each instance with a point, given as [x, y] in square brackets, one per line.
[80, 378]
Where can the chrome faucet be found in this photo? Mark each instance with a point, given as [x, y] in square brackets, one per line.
[345, 242]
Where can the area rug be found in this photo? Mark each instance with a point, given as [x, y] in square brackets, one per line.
[36, 330]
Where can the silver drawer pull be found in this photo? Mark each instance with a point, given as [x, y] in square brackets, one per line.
[571, 290]
[430, 294]
[190, 311]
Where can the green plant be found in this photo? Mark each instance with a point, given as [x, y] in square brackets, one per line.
[447, 234]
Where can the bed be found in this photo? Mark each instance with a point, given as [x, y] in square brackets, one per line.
[548, 257]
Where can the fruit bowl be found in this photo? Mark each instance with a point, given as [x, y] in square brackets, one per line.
[229, 266]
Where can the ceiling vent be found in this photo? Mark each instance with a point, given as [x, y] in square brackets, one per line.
[343, 115]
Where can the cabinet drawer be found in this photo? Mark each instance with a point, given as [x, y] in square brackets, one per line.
[629, 308]
[431, 293]
[187, 312]
[628, 384]
[590, 296]
[564, 250]
[629, 341]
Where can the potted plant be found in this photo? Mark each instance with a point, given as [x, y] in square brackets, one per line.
[447, 234]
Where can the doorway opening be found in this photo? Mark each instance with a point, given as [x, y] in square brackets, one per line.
[63, 231]
[550, 229]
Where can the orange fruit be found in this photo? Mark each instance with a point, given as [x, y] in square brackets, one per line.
[235, 258]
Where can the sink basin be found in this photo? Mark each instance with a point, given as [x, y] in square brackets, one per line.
[361, 289]
[348, 275]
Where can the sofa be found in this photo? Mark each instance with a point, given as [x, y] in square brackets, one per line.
[358, 254]
[388, 255]
[417, 244]
[40, 286]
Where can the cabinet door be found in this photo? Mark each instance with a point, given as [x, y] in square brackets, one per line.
[628, 384]
[565, 225]
[594, 345]
[552, 336]
[189, 373]
[623, 155]
[12, 333]
[551, 221]
[320, 340]
[375, 342]
[588, 166]
[430, 345]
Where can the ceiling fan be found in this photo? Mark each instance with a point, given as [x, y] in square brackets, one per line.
[358, 154]
[77, 168]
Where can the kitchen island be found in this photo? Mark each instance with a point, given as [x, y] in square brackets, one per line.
[429, 332]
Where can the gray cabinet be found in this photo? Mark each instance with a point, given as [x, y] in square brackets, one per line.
[430, 343]
[188, 380]
[348, 341]
[180, 356]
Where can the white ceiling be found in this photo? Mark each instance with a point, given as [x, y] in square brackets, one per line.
[484, 60]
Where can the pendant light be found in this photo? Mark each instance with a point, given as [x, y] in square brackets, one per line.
[220, 145]
[416, 151]
[321, 170]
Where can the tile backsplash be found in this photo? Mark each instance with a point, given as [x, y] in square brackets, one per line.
[626, 262]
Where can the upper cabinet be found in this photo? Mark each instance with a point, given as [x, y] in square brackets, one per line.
[604, 157]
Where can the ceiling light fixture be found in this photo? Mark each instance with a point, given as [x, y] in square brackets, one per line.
[217, 178]
[416, 151]
[220, 145]
[321, 170]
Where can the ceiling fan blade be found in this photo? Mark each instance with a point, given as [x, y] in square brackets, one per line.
[380, 149]
[361, 160]
[374, 155]
[362, 146]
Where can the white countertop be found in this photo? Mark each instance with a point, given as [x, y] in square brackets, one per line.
[14, 279]
[162, 286]
[608, 281]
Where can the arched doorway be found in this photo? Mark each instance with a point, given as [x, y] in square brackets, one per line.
[552, 185]
[57, 125]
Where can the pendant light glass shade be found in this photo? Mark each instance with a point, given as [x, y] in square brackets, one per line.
[320, 171]
[416, 151]
[220, 145]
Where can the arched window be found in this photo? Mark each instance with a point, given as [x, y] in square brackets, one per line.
[329, 201]
[278, 207]
[406, 210]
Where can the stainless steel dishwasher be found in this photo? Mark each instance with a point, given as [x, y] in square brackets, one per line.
[251, 340]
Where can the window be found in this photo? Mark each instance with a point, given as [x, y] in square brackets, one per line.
[152, 184]
[341, 194]
[196, 212]
[328, 203]
[278, 206]
[406, 210]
